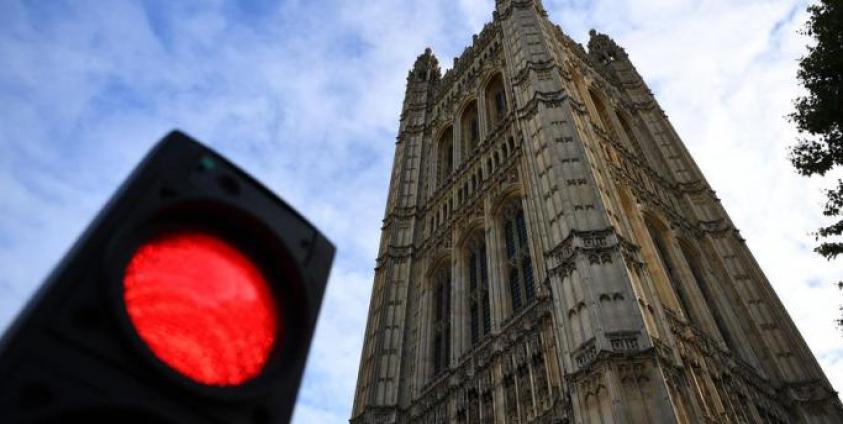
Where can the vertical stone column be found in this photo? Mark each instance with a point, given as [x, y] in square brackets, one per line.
[457, 145]
[423, 347]
[482, 121]
[459, 303]
[493, 261]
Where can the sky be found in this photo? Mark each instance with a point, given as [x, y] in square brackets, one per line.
[306, 95]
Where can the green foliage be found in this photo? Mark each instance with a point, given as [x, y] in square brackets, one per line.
[819, 114]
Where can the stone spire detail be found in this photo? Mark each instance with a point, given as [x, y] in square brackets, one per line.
[426, 67]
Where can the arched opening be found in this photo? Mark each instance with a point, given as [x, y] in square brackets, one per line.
[496, 106]
[470, 128]
[479, 310]
[519, 265]
[634, 142]
[602, 113]
[657, 234]
[445, 160]
[695, 262]
[441, 324]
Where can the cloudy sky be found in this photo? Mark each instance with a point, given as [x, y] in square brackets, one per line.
[305, 95]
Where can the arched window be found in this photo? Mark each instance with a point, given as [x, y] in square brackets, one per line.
[630, 135]
[694, 262]
[496, 107]
[519, 266]
[445, 162]
[656, 234]
[602, 112]
[478, 289]
[470, 128]
[441, 319]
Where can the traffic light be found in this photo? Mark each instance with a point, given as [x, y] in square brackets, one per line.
[191, 298]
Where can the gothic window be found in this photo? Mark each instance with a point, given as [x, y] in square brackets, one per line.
[667, 263]
[446, 156]
[441, 319]
[602, 113]
[496, 107]
[630, 135]
[470, 128]
[519, 266]
[478, 289]
[706, 290]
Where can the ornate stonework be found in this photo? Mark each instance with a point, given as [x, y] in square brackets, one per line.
[552, 254]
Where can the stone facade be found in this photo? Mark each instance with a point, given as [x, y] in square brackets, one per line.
[552, 254]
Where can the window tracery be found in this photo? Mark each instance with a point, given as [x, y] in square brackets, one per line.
[496, 107]
[441, 319]
[445, 160]
[478, 289]
[519, 266]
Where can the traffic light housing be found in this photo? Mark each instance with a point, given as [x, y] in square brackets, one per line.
[191, 298]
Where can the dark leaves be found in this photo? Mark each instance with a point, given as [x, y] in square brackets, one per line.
[819, 114]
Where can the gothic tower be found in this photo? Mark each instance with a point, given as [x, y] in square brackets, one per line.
[551, 253]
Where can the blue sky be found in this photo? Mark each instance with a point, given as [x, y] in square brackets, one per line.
[305, 95]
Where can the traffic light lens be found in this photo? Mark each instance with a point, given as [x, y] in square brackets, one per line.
[202, 306]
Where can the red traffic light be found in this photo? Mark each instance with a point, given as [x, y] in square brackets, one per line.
[202, 307]
[191, 298]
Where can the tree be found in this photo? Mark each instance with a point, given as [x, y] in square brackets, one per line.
[819, 114]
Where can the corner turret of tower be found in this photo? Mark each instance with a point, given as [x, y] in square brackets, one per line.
[604, 49]
[426, 68]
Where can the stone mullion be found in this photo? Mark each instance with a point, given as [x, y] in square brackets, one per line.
[535, 221]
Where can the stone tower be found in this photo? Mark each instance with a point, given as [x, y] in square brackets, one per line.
[551, 253]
